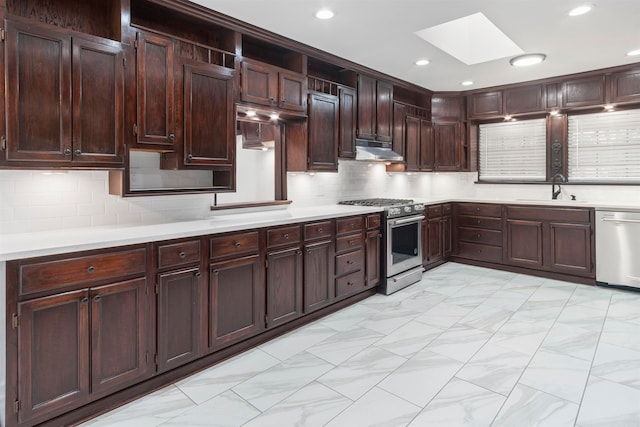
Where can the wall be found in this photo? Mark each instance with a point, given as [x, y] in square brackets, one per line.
[32, 201]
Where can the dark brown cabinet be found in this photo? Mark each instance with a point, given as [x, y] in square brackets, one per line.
[399, 130]
[347, 122]
[624, 87]
[318, 265]
[350, 256]
[436, 235]
[271, 86]
[523, 99]
[56, 86]
[485, 105]
[583, 92]
[323, 131]
[375, 109]
[446, 143]
[284, 275]
[372, 249]
[420, 148]
[479, 231]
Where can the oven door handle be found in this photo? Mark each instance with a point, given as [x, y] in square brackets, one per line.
[407, 220]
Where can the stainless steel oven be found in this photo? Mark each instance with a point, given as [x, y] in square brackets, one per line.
[402, 244]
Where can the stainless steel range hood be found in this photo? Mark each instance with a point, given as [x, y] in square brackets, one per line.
[375, 151]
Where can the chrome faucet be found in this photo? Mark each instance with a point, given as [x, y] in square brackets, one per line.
[555, 193]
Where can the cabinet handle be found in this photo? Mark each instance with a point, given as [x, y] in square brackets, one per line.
[478, 221]
[320, 230]
[182, 255]
[78, 152]
[286, 235]
[299, 252]
[91, 269]
[349, 262]
[216, 272]
[478, 236]
[97, 298]
[67, 151]
[198, 274]
[84, 300]
[189, 156]
[349, 283]
[237, 244]
[272, 100]
[351, 243]
[172, 136]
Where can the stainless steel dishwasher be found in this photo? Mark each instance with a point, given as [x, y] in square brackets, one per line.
[618, 247]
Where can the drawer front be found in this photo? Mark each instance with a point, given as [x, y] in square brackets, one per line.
[50, 275]
[349, 225]
[175, 254]
[373, 221]
[289, 235]
[233, 244]
[434, 211]
[346, 243]
[477, 235]
[581, 215]
[318, 230]
[349, 262]
[447, 209]
[479, 209]
[349, 284]
[480, 252]
[480, 222]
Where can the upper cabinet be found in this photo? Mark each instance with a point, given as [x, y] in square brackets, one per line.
[375, 109]
[625, 86]
[583, 92]
[56, 86]
[271, 86]
[523, 99]
[485, 104]
[323, 132]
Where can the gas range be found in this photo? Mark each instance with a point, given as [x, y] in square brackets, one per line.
[394, 208]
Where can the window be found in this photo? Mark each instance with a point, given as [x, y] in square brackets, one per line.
[513, 151]
[605, 146]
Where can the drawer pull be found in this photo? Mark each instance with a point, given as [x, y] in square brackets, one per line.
[216, 272]
[349, 283]
[477, 209]
[237, 244]
[349, 262]
[353, 225]
[198, 274]
[97, 298]
[320, 230]
[91, 269]
[182, 255]
[478, 236]
[84, 300]
[478, 222]
[351, 242]
[286, 235]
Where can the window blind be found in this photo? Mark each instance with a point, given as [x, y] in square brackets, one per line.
[513, 151]
[605, 146]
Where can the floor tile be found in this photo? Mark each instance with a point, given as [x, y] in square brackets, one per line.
[609, 404]
[443, 315]
[617, 364]
[297, 341]
[341, 346]
[225, 410]
[346, 319]
[528, 407]
[591, 296]
[572, 341]
[389, 320]
[376, 408]
[486, 318]
[460, 404]
[582, 316]
[459, 342]
[409, 338]
[622, 334]
[625, 309]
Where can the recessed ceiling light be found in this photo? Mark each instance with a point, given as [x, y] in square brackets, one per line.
[580, 10]
[634, 52]
[324, 14]
[467, 83]
[422, 62]
[526, 60]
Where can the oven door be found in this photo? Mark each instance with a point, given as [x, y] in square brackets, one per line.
[404, 244]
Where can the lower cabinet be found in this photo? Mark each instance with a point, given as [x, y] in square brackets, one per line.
[436, 234]
[318, 265]
[284, 286]
[350, 257]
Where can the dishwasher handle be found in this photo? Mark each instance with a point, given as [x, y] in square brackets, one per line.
[610, 219]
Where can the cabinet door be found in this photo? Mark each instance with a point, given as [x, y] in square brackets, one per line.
[570, 248]
[38, 94]
[284, 286]
[367, 99]
[583, 92]
[413, 144]
[399, 127]
[179, 321]
[486, 104]
[53, 354]
[625, 86]
[323, 132]
[98, 92]
[347, 125]
[372, 258]
[292, 91]
[446, 146]
[447, 235]
[318, 275]
[523, 99]
[434, 234]
[524, 243]
[209, 115]
[156, 121]
[384, 112]
[259, 83]
[236, 301]
[427, 146]
[119, 335]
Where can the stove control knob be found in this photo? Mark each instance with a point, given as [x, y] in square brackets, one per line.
[394, 211]
[408, 209]
[418, 207]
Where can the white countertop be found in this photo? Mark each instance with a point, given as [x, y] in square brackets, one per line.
[26, 245]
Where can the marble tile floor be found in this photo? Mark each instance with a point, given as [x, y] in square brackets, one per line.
[466, 346]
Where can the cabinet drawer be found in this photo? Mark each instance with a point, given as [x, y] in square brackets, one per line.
[175, 254]
[447, 209]
[346, 243]
[318, 230]
[480, 252]
[49, 275]
[373, 221]
[549, 214]
[350, 283]
[434, 211]
[349, 225]
[479, 209]
[283, 236]
[480, 222]
[477, 235]
[233, 244]
[349, 262]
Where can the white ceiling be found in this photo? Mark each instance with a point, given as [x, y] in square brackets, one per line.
[379, 34]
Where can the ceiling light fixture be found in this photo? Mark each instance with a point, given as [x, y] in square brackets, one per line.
[467, 83]
[325, 14]
[633, 52]
[526, 60]
[422, 62]
[580, 10]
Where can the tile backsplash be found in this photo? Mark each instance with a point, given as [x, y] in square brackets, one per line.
[32, 201]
